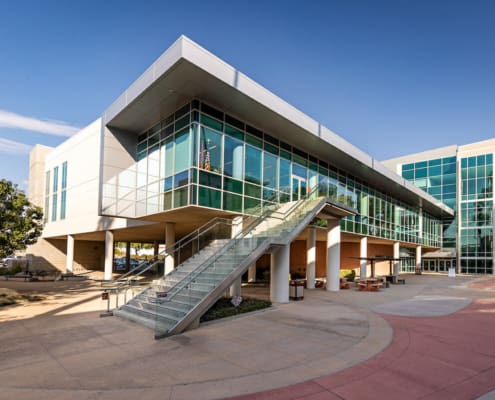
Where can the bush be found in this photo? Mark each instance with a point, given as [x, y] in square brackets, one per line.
[15, 269]
[224, 308]
[349, 274]
[8, 297]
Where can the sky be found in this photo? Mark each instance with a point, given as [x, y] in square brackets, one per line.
[392, 77]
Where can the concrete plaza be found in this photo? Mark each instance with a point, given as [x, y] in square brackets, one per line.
[430, 338]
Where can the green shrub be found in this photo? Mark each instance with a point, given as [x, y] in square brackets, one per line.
[15, 269]
[349, 274]
[8, 297]
[224, 308]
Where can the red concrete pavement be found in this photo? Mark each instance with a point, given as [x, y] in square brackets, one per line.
[450, 357]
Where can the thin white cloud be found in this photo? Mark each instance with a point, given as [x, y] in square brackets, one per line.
[11, 147]
[16, 121]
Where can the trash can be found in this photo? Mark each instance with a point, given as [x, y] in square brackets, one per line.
[296, 289]
[452, 272]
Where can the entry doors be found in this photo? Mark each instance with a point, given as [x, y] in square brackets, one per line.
[299, 186]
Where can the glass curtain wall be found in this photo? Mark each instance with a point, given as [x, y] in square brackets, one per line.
[202, 156]
[438, 178]
[476, 208]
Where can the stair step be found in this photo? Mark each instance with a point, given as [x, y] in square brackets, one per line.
[152, 324]
[151, 314]
[164, 308]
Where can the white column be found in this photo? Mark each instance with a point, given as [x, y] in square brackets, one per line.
[69, 260]
[396, 255]
[418, 258]
[311, 258]
[333, 256]
[363, 252]
[108, 255]
[252, 273]
[279, 275]
[169, 244]
[235, 288]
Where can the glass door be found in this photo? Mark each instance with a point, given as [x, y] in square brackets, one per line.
[298, 187]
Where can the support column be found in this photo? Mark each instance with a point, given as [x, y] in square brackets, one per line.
[418, 259]
[311, 258]
[363, 252]
[252, 273]
[279, 275]
[108, 255]
[69, 260]
[169, 244]
[127, 256]
[333, 256]
[396, 255]
[155, 248]
[236, 287]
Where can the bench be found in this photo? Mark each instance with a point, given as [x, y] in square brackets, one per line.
[401, 280]
[369, 287]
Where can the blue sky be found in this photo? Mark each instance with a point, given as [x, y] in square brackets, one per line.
[392, 77]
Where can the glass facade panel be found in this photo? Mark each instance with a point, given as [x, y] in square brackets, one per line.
[252, 165]
[233, 158]
[210, 153]
[182, 151]
[221, 162]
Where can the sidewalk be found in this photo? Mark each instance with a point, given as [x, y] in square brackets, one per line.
[337, 344]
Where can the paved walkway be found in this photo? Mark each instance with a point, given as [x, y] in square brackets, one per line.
[448, 357]
[339, 345]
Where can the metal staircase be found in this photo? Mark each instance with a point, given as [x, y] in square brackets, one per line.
[174, 302]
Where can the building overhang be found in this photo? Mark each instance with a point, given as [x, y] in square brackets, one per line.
[186, 71]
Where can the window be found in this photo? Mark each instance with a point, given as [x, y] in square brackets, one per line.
[233, 157]
[252, 167]
[210, 150]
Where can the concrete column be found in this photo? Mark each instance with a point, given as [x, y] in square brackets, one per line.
[396, 255]
[155, 248]
[418, 258]
[279, 275]
[169, 244]
[235, 288]
[69, 260]
[333, 256]
[363, 252]
[127, 255]
[252, 273]
[108, 255]
[236, 226]
[311, 258]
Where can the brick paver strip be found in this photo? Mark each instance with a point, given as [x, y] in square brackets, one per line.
[449, 357]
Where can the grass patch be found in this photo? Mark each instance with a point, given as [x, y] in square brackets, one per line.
[224, 308]
[9, 296]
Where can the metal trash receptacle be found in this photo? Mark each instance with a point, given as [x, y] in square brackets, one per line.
[296, 289]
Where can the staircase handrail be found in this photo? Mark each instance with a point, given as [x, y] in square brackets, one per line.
[131, 275]
[200, 268]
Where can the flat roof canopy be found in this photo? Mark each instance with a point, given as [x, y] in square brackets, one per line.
[186, 71]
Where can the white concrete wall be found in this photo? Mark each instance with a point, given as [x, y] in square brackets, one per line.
[82, 153]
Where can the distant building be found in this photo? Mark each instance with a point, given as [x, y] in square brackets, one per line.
[462, 178]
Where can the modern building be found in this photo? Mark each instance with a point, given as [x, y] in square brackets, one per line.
[462, 178]
[193, 139]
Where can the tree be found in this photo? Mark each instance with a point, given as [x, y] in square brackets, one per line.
[21, 223]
